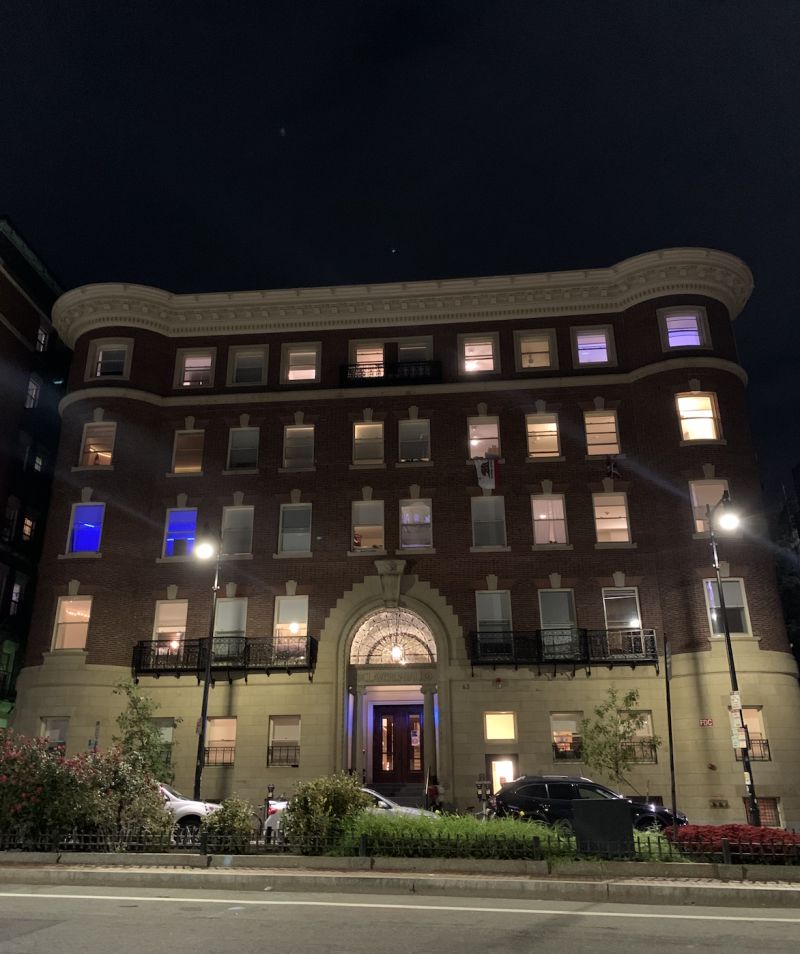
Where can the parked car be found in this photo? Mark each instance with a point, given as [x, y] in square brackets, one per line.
[188, 813]
[381, 803]
[549, 798]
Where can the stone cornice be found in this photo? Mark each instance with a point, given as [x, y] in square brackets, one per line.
[674, 271]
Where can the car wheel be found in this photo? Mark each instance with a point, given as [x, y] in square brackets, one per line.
[187, 830]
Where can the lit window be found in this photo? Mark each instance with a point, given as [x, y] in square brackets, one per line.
[479, 354]
[243, 448]
[602, 435]
[34, 391]
[735, 607]
[499, 726]
[301, 362]
[98, 445]
[368, 525]
[705, 493]
[197, 370]
[110, 362]
[247, 365]
[291, 617]
[220, 742]
[566, 729]
[86, 528]
[549, 520]
[72, 622]
[40, 459]
[179, 532]
[493, 611]
[488, 522]
[28, 526]
[368, 443]
[18, 591]
[170, 624]
[414, 439]
[42, 338]
[699, 417]
[370, 361]
[535, 350]
[10, 519]
[295, 530]
[611, 518]
[543, 438]
[416, 527]
[683, 328]
[55, 731]
[237, 530]
[621, 606]
[752, 720]
[640, 746]
[484, 437]
[284, 741]
[187, 455]
[592, 347]
[298, 447]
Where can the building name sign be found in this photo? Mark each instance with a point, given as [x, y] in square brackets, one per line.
[706, 722]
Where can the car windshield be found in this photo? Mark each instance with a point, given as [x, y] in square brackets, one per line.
[173, 793]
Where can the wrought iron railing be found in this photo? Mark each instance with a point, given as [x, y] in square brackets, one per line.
[220, 754]
[641, 750]
[758, 751]
[568, 751]
[577, 647]
[390, 372]
[231, 652]
[283, 755]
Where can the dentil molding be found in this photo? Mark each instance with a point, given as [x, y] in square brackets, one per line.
[673, 271]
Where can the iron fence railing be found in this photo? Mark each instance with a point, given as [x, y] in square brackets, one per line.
[758, 751]
[568, 751]
[390, 372]
[283, 755]
[642, 750]
[230, 652]
[570, 646]
[220, 754]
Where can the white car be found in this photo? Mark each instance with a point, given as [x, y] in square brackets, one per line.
[187, 812]
[381, 803]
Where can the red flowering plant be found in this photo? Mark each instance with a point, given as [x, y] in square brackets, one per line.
[747, 843]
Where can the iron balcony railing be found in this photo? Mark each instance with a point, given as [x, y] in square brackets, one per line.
[758, 751]
[232, 652]
[641, 750]
[390, 372]
[568, 646]
[568, 751]
[283, 755]
[220, 754]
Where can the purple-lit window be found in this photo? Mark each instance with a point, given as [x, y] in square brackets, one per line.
[179, 538]
[87, 526]
[683, 331]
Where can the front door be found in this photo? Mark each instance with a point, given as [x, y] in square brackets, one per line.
[397, 744]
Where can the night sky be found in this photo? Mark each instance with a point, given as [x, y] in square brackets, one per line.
[202, 146]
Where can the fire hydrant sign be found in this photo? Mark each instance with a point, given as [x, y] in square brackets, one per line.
[706, 722]
[736, 702]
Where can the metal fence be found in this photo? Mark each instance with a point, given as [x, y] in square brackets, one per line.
[566, 646]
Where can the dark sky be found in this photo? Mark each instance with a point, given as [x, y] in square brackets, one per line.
[203, 146]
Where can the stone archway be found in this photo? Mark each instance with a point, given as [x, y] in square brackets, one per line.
[392, 636]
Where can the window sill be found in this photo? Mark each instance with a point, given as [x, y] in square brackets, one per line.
[97, 468]
[497, 460]
[414, 463]
[412, 550]
[734, 636]
[591, 365]
[79, 556]
[603, 456]
[375, 552]
[241, 470]
[188, 473]
[538, 460]
[701, 443]
[98, 378]
[489, 549]
[293, 556]
[296, 470]
[245, 384]
[551, 546]
[226, 557]
[189, 558]
[615, 546]
[188, 388]
[368, 467]
[719, 532]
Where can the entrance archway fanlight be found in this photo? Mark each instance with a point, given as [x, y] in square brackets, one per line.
[392, 637]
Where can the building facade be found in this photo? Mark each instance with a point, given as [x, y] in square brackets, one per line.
[452, 515]
[32, 382]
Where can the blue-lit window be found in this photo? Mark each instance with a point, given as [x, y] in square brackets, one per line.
[179, 538]
[87, 525]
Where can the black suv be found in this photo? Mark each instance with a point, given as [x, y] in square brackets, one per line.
[549, 798]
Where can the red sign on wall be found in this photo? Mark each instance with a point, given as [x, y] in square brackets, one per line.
[706, 722]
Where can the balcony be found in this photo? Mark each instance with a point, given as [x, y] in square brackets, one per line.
[641, 750]
[220, 754]
[234, 655]
[568, 750]
[565, 647]
[758, 751]
[284, 755]
[390, 373]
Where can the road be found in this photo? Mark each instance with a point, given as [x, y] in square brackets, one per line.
[140, 921]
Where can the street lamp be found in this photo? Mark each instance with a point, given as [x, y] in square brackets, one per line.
[729, 521]
[206, 548]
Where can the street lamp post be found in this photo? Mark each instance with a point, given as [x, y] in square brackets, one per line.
[729, 521]
[208, 547]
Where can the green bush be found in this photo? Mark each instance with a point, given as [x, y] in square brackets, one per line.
[319, 809]
[230, 827]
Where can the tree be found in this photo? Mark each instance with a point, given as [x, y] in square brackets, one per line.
[140, 734]
[606, 741]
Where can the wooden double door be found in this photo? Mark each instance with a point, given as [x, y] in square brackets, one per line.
[397, 744]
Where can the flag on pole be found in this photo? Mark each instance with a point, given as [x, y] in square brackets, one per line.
[488, 473]
[612, 470]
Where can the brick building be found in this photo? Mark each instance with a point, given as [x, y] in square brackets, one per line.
[32, 381]
[453, 513]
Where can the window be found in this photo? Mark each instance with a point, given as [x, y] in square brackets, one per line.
[34, 391]
[284, 741]
[602, 436]
[758, 749]
[368, 443]
[488, 522]
[295, 531]
[621, 606]
[291, 617]
[220, 741]
[499, 726]
[166, 730]
[419, 350]
[25, 448]
[735, 607]
[493, 608]
[97, 448]
[535, 350]
[247, 365]
[237, 530]
[18, 591]
[368, 525]
[683, 328]
[179, 532]
[549, 521]
[414, 439]
[230, 626]
[170, 623]
[42, 338]
[566, 729]
[478, 353]
[187, 455]
[28, 527]
[611, 518]
[298, 447]
[416, 529]
[640, 746]
[484, 437]
[543, 437]
[40, 459]
[86, 528]
[699, 417]
[301, 362]
[593, 346]
[705, 493]
[10, 519]
[109, 358]
[72, 622]
[195, 368]
[370, 361]
[768, 810]
[110, 362]
[243, 448]
[557, 609]
[55, 731]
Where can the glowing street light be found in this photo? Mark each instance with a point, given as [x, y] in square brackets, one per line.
[206, 547]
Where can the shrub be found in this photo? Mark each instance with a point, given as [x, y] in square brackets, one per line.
[748, 843]
[319, 808]
[230, 827]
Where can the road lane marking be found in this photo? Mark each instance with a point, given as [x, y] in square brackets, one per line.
[263, 902]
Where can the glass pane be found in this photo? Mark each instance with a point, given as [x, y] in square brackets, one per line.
[414, 440]
[601, 432]
[484, 440]
[72, 626]
[296, 529]
[557, 608]
[87, 525]
[196, 370]
[697, 417]
[622, 609]
[180, 532]
[561, 790]
[188, 452]
[488, 522]
[592, 348]
[415, 740]
[734, 607]
[298, 447]
[373, 357]
[705, 492]
[479, 355]
[368, 444]
[549, 524]
[237, 530]
[387, 744]
[683, 332]
[412, 352]
[499, 726]
[611, 519]
[543, 435]
[494, 611]
[415, 525]
[111, 361]
[98, 445]
[535, 352]
[302, 366]
[249, 367]
[244, 448]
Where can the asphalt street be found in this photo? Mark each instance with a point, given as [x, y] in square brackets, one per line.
[99, 921]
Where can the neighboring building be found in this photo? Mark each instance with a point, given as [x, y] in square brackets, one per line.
[32, 380]
[379, 610]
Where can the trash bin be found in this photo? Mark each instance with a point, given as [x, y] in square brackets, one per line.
[604, 828]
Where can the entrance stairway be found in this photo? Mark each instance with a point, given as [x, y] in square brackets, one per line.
[408, 794]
